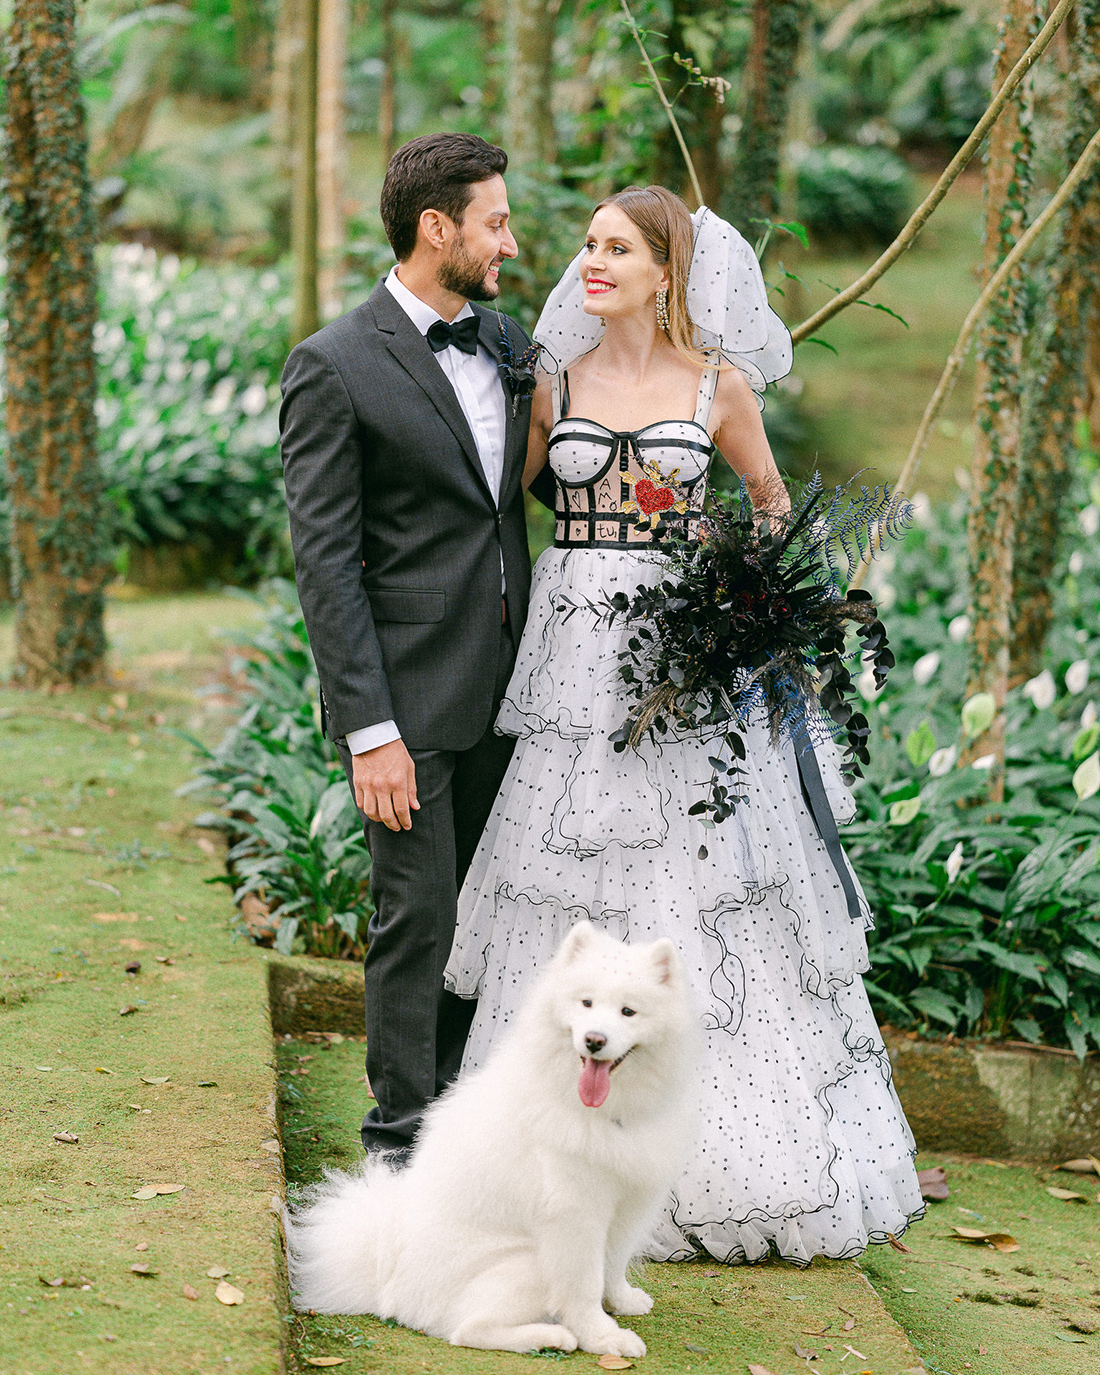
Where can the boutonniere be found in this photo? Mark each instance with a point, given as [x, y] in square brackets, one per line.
[517, 372]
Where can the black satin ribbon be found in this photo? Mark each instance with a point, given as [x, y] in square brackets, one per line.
[813, 789]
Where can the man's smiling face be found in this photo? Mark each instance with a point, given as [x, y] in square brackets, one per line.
[481, 243]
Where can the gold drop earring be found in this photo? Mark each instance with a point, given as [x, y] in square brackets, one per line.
[662, 309]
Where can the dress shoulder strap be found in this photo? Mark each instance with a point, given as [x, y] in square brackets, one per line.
[559, 394]
[708, 385]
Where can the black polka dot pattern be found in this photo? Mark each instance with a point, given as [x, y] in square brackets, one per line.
[802, 1148]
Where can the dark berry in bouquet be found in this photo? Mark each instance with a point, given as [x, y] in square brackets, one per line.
[751, 620]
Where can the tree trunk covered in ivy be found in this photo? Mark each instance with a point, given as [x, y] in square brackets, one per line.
[695, 32]
[1058, 348]
[59, 530]
[528, 116]
[752, 192]
[995, 465]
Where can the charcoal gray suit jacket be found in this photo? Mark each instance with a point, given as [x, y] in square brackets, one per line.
[397, 538]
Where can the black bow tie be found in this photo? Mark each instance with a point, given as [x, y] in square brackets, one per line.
[462, 335]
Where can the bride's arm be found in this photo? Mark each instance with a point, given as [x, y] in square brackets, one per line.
[539, 433]
[740, 439]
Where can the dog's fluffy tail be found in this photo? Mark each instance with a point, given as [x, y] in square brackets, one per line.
[341, 1240]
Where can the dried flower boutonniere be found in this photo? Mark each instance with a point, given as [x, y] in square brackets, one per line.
[517, 372]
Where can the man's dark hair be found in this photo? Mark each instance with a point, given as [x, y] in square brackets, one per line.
[435, 172]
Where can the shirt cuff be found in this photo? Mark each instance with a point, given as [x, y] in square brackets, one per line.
[371, 737]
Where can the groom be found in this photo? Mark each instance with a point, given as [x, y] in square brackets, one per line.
[403, 453]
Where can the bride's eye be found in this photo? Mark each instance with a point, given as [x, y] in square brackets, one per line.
[586, 1002]
[627, 1011]
[589, 246]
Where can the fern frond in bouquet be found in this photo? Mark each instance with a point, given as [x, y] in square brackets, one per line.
[751, 617]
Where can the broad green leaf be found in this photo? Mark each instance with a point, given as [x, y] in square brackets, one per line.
[920, 745]
[978, 713]
[1084, 743]
[284, 937]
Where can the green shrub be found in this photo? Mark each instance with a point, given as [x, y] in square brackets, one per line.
[861, 195]
[294, 835]
[189, 362]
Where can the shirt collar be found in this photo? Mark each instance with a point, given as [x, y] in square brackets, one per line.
[419, 312]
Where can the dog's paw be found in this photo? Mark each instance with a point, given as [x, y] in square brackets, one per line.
[629, 1301]
[624, 1343]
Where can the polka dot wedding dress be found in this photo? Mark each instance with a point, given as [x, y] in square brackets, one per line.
[803, 1149]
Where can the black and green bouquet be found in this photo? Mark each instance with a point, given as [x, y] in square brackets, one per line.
[751, 617]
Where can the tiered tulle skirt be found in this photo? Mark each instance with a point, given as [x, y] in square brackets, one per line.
[803, 1147]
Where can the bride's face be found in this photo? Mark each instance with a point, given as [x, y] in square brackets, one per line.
[620, 275]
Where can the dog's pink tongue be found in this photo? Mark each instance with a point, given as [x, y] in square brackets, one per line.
[595, 1082]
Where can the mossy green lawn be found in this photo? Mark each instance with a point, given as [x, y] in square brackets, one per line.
[98, 869]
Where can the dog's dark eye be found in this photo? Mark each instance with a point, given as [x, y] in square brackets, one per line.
[627, 1011]
[586, 1002]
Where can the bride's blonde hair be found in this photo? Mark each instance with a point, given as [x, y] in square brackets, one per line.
[665, 224]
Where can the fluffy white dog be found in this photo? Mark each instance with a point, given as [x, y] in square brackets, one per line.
[530, 1188]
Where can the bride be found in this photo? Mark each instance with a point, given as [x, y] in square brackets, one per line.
[655, 341]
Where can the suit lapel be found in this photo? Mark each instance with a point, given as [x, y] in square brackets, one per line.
[415, 355]
[488, 336]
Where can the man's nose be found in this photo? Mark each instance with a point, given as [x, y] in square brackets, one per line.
[594, 1041]
[508, 246]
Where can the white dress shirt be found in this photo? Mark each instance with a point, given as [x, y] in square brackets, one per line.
[478, 388]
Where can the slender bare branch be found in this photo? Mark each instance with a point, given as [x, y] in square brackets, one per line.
[920, 216]
[659, 88]
[1081, 169]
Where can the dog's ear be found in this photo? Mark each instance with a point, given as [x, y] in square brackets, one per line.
[665, 960]
[580, 938]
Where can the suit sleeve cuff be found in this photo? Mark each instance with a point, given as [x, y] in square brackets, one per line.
[371, 737]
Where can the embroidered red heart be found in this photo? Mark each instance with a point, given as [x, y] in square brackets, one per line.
[653, 498]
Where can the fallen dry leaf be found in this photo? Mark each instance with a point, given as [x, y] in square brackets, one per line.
[272, 1146]
[981, 1351]
[133, 967]
[848, 1325]
[1066, 1195]
[1000, 1241]
[148, 1191]
[190, 1293]
[218, 1272]
[610, 1362]
[340, 1360]
[853, 1352]
[127, 1009]
[105, 917]
[159, 1079]
[142, 1246]
[66, 1138]
[164, 959]
[146, 1270]
[804, 1354]
[898, 1245]
[208, 1084]
[758, 1369]
[1085, 1166]
[100, 1070]
[933, 1183]
[228, 1294]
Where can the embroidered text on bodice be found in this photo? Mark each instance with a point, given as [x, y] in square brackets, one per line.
[619, 487]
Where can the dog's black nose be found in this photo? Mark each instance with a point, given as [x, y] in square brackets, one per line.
[595, 1041]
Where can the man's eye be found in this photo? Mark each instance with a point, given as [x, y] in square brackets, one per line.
[627, 1011]
[586, 1002]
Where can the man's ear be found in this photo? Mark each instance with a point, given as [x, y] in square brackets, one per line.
[436, 227]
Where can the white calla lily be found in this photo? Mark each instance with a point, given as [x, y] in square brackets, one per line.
[958, 628]
[1042, 690]
[941, 762]
[954, 862]
[986, 761]
[1077, 676]
[924, 670]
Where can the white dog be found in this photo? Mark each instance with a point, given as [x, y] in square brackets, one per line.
[529, 1190]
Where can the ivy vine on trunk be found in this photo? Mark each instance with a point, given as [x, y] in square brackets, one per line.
[60, 533]
[995, 466]
[1069, 293]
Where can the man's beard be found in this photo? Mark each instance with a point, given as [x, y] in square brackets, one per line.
[459, 273]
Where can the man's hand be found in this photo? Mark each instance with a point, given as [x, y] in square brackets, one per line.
[385, 785]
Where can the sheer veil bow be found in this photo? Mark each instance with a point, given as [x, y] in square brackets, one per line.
[726, 298]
